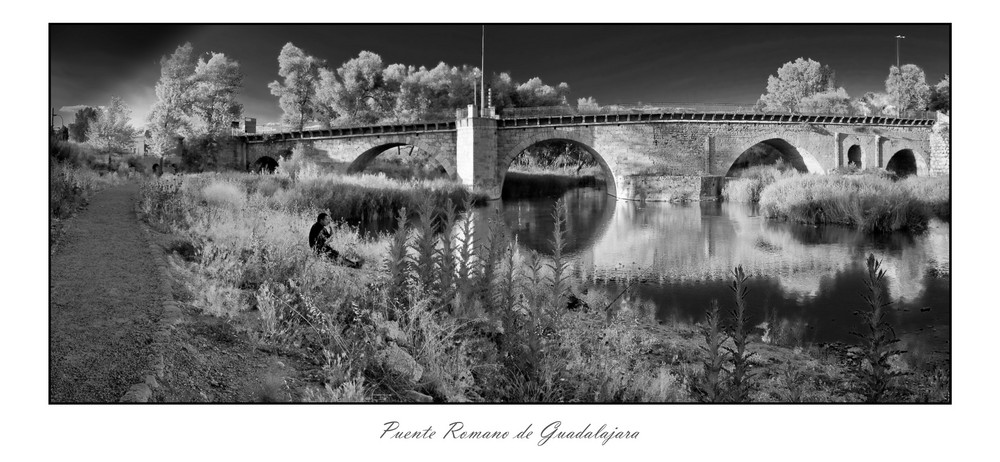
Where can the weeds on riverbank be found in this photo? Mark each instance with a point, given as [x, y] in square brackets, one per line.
[449, 309]
[869, 203]
[69, 188]
[934, 193]
[752, 180]
[874, 376]
[352, 198]
[440, 313]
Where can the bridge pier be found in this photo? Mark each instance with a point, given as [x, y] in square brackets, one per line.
[476, 161]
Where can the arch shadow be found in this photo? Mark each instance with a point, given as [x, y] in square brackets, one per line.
[610, 182]
[264, 164]
[798, 158]
[904, 163]
[855, 158]
[368, 156]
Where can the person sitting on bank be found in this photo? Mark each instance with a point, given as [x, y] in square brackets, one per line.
[319, 236]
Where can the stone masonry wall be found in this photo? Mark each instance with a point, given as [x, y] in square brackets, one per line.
[659, 161]
[940, 140]
[342, 154]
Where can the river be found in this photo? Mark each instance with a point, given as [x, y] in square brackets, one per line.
[807, 279]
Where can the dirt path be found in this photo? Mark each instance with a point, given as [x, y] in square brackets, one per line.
[103, 305]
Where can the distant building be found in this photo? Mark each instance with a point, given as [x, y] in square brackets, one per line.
[249, 125]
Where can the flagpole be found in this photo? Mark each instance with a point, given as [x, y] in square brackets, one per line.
[482, 73]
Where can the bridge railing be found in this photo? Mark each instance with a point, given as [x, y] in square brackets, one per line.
[695, 108]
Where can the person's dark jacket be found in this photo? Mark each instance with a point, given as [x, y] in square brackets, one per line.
[318, 236]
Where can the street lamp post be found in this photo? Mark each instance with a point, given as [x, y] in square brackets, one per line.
[897, 49]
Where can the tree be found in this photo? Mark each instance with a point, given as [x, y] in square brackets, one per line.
[826, 102]
[428, 93]
[357, 91]
[907, 88]
[796, 80]
[535, 93]
[587, 104]
[872, 104]
[78, 129]
[940, 99]
[297, 92]
[216, 83]
[112, 131]
[170, 116]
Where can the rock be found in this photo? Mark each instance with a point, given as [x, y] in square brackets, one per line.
[392, 332]
[399, 362]
[418, 397]
[138, 393]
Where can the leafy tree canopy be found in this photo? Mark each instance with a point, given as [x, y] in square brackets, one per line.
[907, 88]
[797, 81]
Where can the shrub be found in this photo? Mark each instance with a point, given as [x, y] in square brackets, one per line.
[69, 188]
[753, 180]
[934, 193]
[224, 194]
[869, 203]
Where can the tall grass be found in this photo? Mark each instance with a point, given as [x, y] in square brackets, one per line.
[70, 187]
[869, 203]
[934, 193]
[753, 180]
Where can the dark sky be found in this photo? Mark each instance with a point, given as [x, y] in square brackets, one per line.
[613, 63]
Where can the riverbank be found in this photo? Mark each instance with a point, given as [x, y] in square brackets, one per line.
[491, 324]
[871, 203]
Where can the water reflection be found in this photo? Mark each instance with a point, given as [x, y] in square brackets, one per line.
[683, 254]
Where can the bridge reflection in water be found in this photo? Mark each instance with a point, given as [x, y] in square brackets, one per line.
[682, 256]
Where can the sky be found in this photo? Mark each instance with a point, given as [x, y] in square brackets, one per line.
[613, 63]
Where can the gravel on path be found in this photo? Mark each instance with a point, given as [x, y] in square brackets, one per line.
[104, 302]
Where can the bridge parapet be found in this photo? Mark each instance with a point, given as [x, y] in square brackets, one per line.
[716, 117]
[351, 131]
[698, 108]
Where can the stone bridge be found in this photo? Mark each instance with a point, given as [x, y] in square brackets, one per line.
[647, 156]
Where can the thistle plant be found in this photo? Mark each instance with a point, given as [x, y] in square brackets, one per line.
[711, 387]
[870, 367]
[739, 331]
[425, 246]
[559, 280]
[396, 261]
[446, 256]
[466, 246]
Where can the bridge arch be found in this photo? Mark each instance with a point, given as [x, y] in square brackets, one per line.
[506, 159]
[372, 149]
[855, 157]
[801, 159]
[264, 164]
[906, 162]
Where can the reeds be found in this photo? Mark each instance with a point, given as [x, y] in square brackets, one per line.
[753, 180]
[869, 203]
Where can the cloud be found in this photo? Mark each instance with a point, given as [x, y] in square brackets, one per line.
[73, 109]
